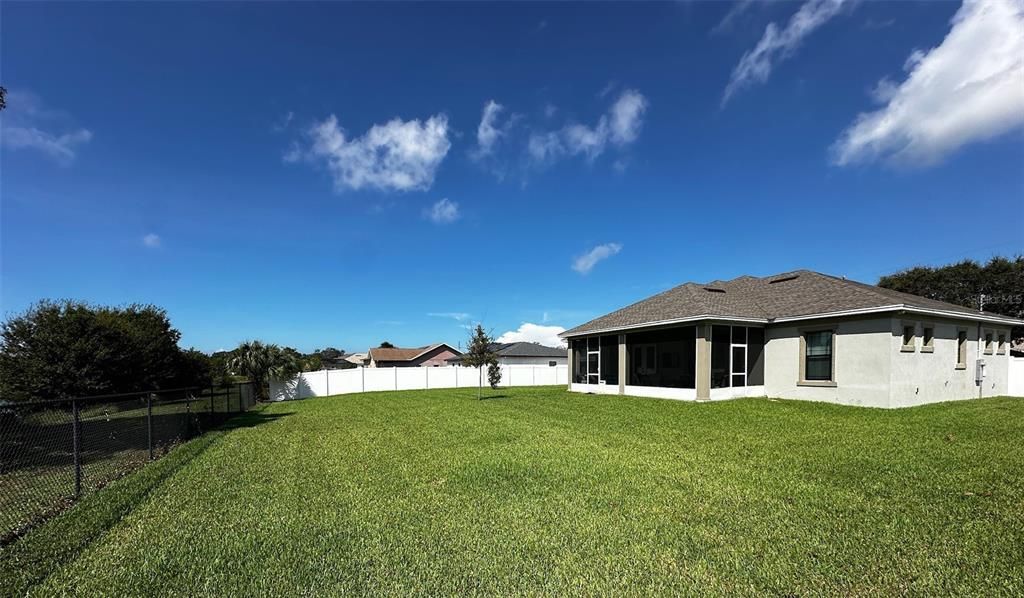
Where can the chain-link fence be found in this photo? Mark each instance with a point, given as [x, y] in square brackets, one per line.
[53, 452]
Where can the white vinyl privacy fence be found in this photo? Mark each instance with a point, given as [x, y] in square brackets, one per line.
[338, 382]
[1016, 377]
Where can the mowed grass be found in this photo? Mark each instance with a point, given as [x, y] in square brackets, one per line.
[540, 491]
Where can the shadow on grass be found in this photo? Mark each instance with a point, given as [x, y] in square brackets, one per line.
[493, 397]
[28, 560]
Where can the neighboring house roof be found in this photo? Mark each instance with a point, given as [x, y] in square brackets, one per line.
[356, 358]
[801, 294]
[399, 354]
[520, 349]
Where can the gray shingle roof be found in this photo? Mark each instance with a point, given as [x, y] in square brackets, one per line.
[521, 350]
[786, 295]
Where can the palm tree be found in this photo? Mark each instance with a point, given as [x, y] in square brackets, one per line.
[259, 362]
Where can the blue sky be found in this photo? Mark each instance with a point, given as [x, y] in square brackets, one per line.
[341, 174]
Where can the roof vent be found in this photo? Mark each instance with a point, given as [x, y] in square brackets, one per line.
[714, 290]
[784, 279]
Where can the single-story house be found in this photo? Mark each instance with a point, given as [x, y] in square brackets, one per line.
[357, 359]
[801, 335]
[521, 353]
[429, 356]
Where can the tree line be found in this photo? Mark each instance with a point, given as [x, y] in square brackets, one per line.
[66, 349]
[996, 286]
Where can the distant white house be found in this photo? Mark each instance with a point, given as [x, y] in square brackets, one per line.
[524, 354]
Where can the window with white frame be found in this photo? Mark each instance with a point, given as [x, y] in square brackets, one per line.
[988, 342]
[1001, 345]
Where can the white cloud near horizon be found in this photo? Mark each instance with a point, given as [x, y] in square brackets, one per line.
[395, 156]
[620, 126]
[443, 211]
[458, 316]
[776, 45]
[967, 89]
[534, 333]
[28, 124]
[586, 262]
[152, 240]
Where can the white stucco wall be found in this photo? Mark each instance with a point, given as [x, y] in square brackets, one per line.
[920, 377]
[862, 362]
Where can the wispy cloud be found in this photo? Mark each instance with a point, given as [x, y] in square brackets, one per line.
[454, 315]
[534, 333]
[28, 124]
[619, 127]
[586, 262]
[444, 211]
[737, 9]
[284, 122]
[778, 44]
[152, 240]
[488, 132]
[969, 88]
[395, 156]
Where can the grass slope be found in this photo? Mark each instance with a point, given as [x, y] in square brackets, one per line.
[542, 491]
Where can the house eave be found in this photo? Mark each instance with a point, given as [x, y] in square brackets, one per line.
[665, 323]
[909, 309]
[900, 307]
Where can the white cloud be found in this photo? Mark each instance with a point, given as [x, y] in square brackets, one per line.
[487, 133]
[586, 262]
[777, 45]
[152, 240]
[25, 126]
[284, 122]
[967, 89]
[619, 127]
[627, 117]
[534, 333]
[737, 9]
[544, 147]
[396, 156]
[458, 316]
[444, 211]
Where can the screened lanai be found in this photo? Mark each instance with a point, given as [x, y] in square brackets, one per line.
[665, 361]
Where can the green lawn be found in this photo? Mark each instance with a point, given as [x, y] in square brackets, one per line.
[538, 491]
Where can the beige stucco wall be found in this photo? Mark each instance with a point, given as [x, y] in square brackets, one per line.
[862, 362]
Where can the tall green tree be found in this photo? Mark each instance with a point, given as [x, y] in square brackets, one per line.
[64, 349]
[259, 362]
[479, 354]
[997, 286]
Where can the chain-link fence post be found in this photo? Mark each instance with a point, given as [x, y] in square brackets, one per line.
[149, 423]
[76, 433]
